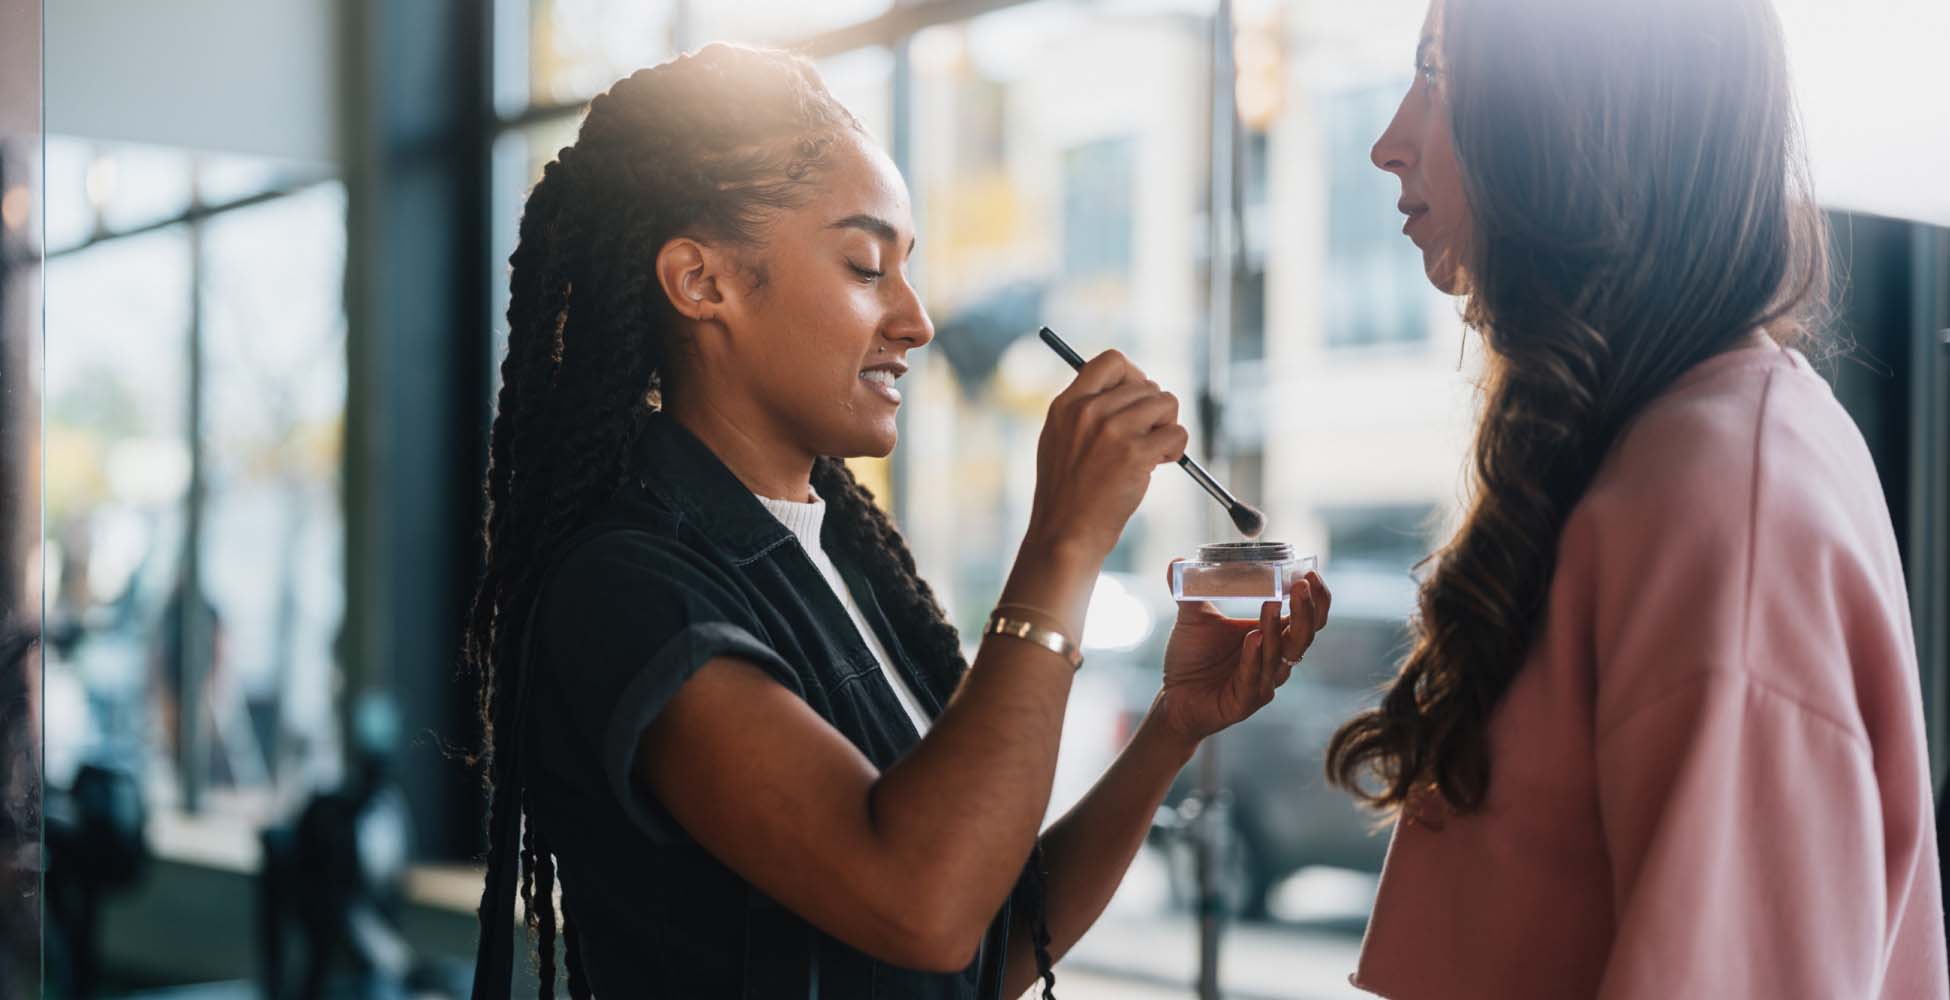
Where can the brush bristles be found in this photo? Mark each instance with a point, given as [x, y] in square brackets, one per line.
[1248, 520]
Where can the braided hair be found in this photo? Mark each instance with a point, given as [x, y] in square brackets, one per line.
[707, 144]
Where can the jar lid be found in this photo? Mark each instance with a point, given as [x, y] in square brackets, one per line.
[1234, 552]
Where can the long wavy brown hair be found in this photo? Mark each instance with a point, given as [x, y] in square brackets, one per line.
[1640, 203]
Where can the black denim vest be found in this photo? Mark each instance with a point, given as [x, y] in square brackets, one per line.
[657, 915]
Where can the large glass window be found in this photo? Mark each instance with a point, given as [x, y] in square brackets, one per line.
[1376, 289]
[577, 48]
[118, 468]
[273, 540]
[1097, 211]
[195, 390]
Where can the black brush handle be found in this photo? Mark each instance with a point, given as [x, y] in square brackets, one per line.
[1062, 349]
[1198, 473]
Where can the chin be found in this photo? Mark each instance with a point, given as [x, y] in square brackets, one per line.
[1444, 273]
[875, 442]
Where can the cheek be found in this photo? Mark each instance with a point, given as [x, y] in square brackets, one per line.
[831, 338]
[1446, 197]
[816, 328]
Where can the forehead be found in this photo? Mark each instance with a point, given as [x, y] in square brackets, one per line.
[1432, 21]
[861, 179]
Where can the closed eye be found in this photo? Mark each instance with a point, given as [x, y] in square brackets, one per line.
[866, 273]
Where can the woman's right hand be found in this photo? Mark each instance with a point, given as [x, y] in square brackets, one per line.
[1103, 437]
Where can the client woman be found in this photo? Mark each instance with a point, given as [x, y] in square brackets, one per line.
[1661, 733]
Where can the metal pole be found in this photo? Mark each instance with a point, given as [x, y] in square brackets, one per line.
[193, 629]
[1212, 823]
[900, 147]
[1929, 528]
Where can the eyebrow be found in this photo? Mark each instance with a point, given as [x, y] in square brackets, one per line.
[874, 226]
[1422, 50]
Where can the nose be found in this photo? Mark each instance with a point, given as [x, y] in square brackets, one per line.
[909, 322]
[1395, 151]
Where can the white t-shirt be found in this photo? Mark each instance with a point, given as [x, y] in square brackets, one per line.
[804, 521]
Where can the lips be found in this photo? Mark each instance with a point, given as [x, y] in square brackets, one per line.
[881, 379]
[1415, 210]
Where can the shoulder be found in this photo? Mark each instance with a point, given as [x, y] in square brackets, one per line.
[635, 577]
[1738, 525]
[1756, 450]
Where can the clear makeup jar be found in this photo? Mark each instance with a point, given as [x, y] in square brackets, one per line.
[1239, 577]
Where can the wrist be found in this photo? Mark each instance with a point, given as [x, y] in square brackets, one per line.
[1051, 546]
[1156, 730]
[1056, 575]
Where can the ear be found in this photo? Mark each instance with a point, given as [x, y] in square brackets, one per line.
[694, 277]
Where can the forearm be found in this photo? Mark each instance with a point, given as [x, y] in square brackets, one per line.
[1088, 851]
[960, 812]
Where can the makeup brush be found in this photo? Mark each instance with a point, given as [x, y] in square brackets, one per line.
[1245, 516]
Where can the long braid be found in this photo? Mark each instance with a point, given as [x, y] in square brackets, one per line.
[704, 144]
[572, 957]
[542, 916]
[535, 304]
[538, 297]
[1039, 936]
[864, 532]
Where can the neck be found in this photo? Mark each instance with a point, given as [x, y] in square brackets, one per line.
[765, 462]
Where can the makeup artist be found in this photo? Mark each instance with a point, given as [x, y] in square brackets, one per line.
[722, 707]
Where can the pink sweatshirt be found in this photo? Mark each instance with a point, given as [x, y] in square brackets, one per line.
[1709, 779]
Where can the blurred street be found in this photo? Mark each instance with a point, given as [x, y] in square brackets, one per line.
[1159, 958]
[1145, 946]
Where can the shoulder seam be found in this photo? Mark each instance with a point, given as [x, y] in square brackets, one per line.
[1750, 682]
[1752, 534]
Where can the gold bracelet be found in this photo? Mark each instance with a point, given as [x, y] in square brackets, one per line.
[1048, 638]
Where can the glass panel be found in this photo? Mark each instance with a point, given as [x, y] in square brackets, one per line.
[118, 187]
[113, 187]
[1376, 291]
[776, 21]
[125, 630]
[223, 179]
[140, 185]
[273, 564]
[71, 213]
[22, 855]
[863, 80]
[117, 471]
[579, 47]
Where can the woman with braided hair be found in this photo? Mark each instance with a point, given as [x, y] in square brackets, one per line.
[720, 703]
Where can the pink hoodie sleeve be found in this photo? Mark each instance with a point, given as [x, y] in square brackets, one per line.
[1746, 849]
[1763, 789]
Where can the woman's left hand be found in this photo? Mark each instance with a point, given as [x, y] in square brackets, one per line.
[1220, 670]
